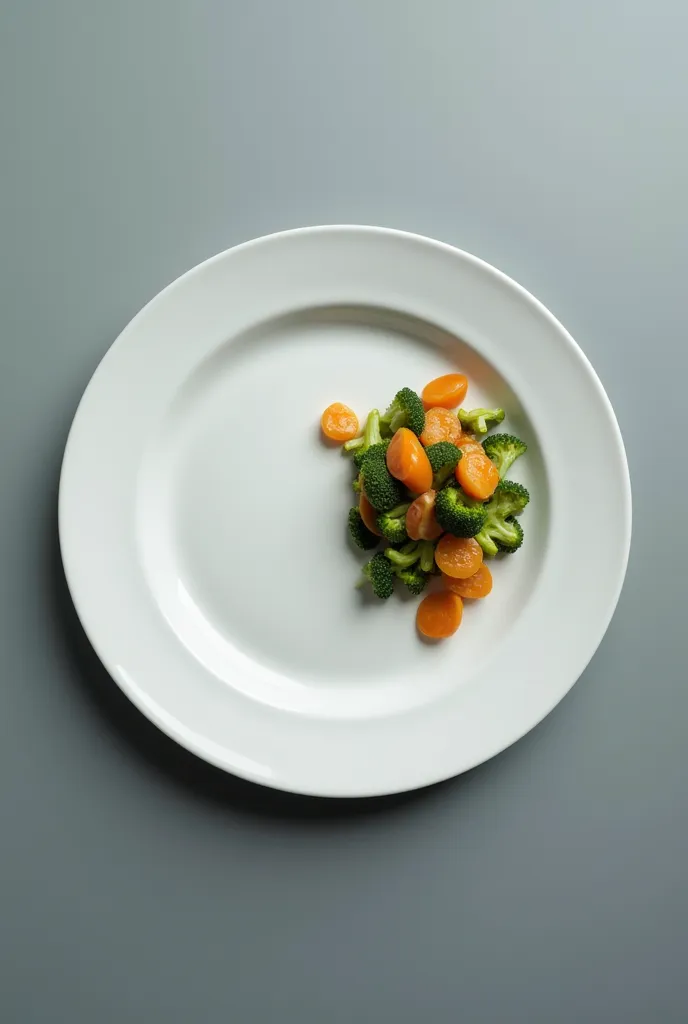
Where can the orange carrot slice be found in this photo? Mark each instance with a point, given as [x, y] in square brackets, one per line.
[421, 521]
[368, 514]
[477, 585]
[439, 615]
[440, 425]
[477, 474]
[447, 391]
[467, 444]
[407, 461]
[458, 557]
[339, 422]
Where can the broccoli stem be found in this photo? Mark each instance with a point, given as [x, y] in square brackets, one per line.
[399, 511]
[371, 434]
[427, 555]
[402, 560]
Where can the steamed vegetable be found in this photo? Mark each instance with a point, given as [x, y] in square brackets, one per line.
[479, 421]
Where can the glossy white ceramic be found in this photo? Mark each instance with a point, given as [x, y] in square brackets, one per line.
[202, 518]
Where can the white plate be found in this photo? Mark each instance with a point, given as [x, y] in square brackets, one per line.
[202, 520]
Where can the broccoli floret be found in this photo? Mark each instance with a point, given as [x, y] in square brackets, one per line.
[378, 572]
[421, 551]
[502, 532]
[392, 524]
[479, 421]
[405, 411]
[371, 435]
[360, 534]
[361, 453]
[444, 458]
[381, 489]
[503, 450]
[457, 514]
[413, 579]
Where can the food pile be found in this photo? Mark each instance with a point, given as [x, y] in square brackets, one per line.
[434, 494]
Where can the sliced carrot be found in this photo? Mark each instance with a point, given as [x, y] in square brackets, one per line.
[467, 443]
[407, 461]
[439, 615]
[477, 474]
[440, 425]
[477, 585]
[421, 521]
[458, 557]
[447, 391]
[339, 422]
[368, 514]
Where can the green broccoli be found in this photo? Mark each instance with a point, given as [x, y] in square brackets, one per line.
[421, 551]
[378, 572]
[381, 489]
[444, 458]
[356, 484]
[360, 534]
[503, 450]
[371, 435]
[405, 411]
[457, 514]
[413, 579]
[360, 454]
[479, 421]
[502, 532]
[392, 524]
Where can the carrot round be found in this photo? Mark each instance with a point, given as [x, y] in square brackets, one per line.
[439, 615]
[447, 391]
[477, 585]
[458, 557]
[339, 422]
[421, 521]
[440, 425]
[407, 461]
[477, 474]
[467, 444]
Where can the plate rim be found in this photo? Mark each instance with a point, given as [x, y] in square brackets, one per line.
[166, 723]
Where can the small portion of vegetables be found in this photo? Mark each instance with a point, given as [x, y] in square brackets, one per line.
[433, 495]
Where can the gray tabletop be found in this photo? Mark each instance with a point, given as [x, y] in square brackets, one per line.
[139, 137]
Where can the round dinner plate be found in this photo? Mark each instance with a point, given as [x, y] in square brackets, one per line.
[203, 519]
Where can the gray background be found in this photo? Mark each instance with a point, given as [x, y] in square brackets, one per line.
[138, 137]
